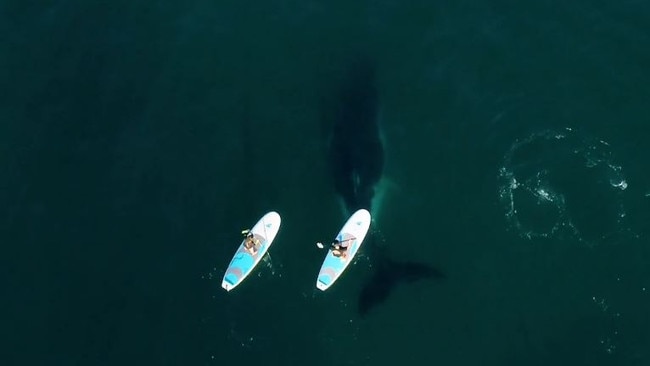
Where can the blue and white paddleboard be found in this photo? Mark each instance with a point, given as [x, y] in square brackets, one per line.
[354, 230]
[243, 262]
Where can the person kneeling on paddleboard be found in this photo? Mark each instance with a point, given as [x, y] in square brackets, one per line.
[251, 243]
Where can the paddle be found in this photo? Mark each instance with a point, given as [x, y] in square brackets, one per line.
[321, 246]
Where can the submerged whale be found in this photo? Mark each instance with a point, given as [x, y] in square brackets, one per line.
[356, 159]
[356, 153]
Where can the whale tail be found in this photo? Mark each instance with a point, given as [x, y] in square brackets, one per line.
[388, 275]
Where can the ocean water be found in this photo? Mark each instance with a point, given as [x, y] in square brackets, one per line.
[138, 139]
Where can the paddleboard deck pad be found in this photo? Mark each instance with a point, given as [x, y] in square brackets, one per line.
[354, 231]
[243, 262]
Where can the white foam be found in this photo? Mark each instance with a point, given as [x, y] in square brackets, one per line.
[529, 169]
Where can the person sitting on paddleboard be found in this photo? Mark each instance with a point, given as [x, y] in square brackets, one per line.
[340, 248]
[251, 243]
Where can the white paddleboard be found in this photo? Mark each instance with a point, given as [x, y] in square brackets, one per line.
[243, 262]
[354, 231]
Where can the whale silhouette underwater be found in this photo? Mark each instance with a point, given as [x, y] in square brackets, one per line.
[356, 161]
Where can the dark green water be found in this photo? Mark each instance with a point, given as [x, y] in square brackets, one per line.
[136, 140]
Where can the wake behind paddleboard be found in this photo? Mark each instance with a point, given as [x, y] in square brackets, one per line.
[354, 231]
[243, 262]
